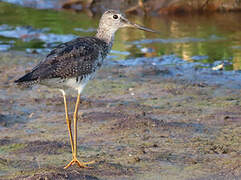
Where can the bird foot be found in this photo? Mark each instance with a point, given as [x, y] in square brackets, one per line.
[80, 164]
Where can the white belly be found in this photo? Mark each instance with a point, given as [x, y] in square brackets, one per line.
[73, 83]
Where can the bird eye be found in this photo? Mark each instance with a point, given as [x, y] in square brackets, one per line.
[115, 16]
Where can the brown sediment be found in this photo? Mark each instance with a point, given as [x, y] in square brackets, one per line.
[139, 125]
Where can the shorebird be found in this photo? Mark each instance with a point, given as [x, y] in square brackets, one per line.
[74, 63]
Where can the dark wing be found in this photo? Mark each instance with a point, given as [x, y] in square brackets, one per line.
[71, 59]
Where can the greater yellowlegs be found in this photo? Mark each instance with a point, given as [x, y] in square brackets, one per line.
[74, 63]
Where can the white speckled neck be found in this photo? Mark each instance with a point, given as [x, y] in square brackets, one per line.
[106, 34]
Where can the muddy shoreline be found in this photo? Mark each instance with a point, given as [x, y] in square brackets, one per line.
[148, 7]
[143, 122]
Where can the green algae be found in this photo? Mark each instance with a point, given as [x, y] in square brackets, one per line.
[11, 148]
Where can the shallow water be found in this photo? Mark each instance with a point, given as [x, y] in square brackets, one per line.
[210, 39]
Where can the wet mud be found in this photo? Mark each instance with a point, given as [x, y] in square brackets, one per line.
[137, 122]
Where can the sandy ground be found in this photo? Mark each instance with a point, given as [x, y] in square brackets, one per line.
[136, 124]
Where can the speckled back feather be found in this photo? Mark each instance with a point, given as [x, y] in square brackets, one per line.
[77, 58]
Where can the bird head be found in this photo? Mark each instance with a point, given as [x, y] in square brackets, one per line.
[113, 20]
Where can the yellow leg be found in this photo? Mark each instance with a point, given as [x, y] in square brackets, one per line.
[75, 160]
[68, 121]
[75, 124]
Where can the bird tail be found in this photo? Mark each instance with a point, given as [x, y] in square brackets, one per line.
[26, 81]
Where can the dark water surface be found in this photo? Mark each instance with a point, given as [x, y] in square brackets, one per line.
[211, 39]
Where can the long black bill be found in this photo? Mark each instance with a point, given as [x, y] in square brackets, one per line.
[129, 24]
[143, 28]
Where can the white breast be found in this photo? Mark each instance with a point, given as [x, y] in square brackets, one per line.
[80, 84]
